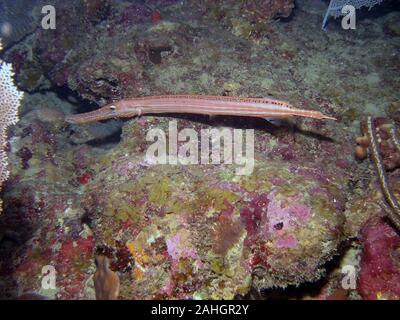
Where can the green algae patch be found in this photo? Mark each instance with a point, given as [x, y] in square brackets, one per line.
[241, 28]
[216, 198]
[160, 192]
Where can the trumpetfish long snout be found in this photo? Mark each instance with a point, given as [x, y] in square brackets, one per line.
[196, 104]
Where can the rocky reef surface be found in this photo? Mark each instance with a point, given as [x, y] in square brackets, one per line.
[309, 208]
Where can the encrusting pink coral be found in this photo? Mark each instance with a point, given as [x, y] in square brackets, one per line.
[179, 247]
[380, 274]
[286, 216]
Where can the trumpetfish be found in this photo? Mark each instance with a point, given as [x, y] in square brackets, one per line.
[196, 104]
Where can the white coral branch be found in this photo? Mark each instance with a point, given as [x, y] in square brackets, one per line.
[10, 100]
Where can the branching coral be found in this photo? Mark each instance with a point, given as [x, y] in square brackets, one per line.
[10, 99]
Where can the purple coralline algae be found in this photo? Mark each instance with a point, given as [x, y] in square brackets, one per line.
[380, 275]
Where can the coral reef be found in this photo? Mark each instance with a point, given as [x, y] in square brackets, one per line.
[17, 19]
[185, 227]
[392, 24]
[308, 210]
[248, 18]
